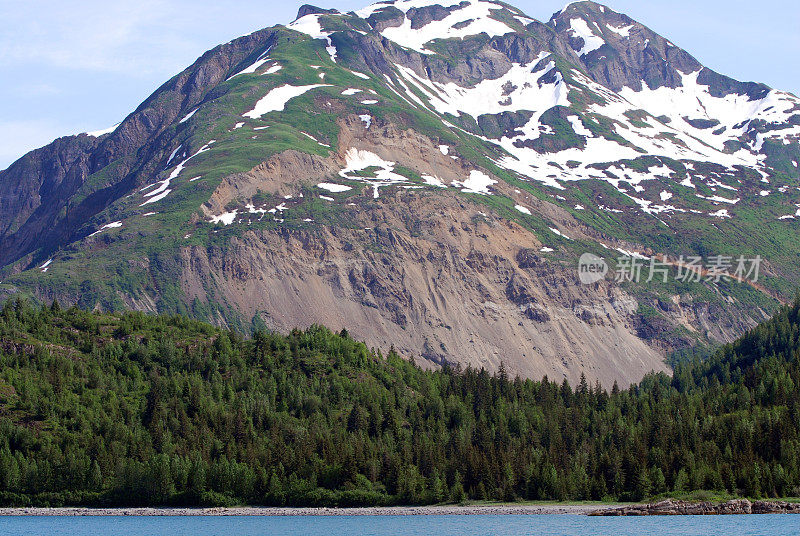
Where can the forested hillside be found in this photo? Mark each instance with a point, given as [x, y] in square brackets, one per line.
[136, 409]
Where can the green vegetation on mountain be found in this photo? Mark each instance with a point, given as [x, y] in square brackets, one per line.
[137, 409]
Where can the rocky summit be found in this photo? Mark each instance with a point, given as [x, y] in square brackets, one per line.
[426, 174]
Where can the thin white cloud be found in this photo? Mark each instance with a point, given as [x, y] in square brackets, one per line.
[134, 38]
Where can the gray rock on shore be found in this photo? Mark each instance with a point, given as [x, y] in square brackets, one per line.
[685, 508]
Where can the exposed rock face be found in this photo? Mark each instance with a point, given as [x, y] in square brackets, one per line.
[39, 209]
[684, 508]
[308, 9]
[48, 172]
[428, 277]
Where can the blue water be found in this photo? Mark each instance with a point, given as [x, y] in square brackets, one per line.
[505, 525]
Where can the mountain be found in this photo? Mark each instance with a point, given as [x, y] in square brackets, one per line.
[134, 409]
[427, 174]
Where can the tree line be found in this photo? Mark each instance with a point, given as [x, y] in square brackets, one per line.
[132, 409]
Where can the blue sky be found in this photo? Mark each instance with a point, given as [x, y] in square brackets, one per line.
[69, 67]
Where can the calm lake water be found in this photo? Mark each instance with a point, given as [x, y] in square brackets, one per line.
[505, 525]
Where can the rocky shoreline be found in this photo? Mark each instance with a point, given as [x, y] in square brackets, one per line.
[684, 508]
[661, 508]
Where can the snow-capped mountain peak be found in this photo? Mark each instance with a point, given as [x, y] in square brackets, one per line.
[452, 137]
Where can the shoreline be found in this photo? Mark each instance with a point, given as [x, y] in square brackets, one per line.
[510, 509]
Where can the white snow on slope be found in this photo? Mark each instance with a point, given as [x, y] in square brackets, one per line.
[486, 97]
[276, 99]
[578, 126]
[98, 133]
[520, 89]
[309, 136]
[722, 213]
[188, 116]
[693, 100]
[311, 26]
[624, 31]
[432, 180]
[225, 218]
[472, 19]
[262, 59]
[172, 155]
[653, 138]
[358, 161]
[112, 225]
[335, 188]
[559, 233]
[163, 189]
[591, 41]
[477, 183]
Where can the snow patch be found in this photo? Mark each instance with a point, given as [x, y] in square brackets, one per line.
[358, 161]
[578, 126]
[559, 233]
[431, 180]
[112, 225]
[98, 133]
[188, 116]
[522, 209]
[276, 99]
[468, 19]
[163, 189]
[311, 26]
[226, 218]
[580, 28]
[309, 136]
[624, 31]
[172, 155]
[477, 183]
[722, 213]
[335, 188]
